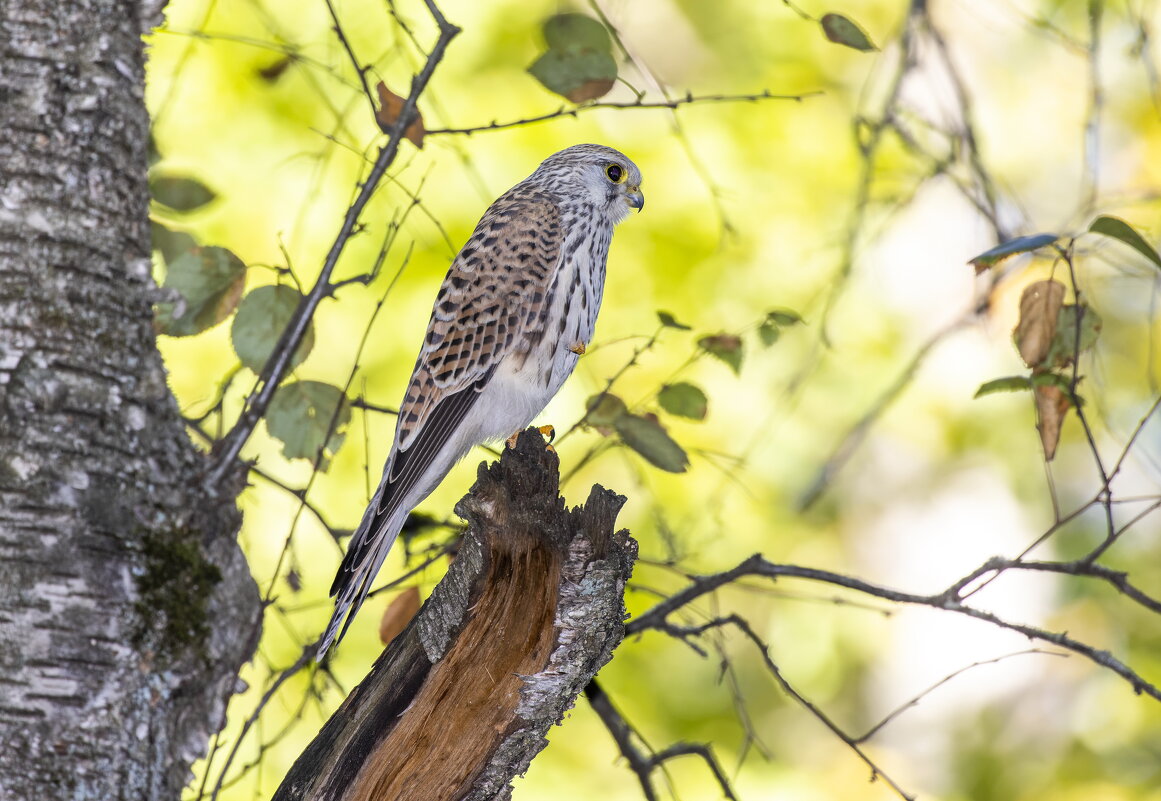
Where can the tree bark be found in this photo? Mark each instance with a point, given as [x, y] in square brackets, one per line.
[459, 703]
[126, 607]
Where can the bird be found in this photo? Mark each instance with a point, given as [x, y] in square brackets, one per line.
[511, 319]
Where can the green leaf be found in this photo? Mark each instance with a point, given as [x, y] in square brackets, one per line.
[577, 76]
[726, 347]
[1063, 383]
[603, 410]
[576, 32]
[1019, 383]
[262, 317]
[684, 400]
[579, 63]
[769, 332]
[841, 30]
[180, 193]
[310, 418]
[783, 317]
[171, 244]
[669, 321]
[1012, 383]
[645, 435]
[771, 328]
[1023, 244]
[1063, 348]
[1118, 229]
[210, 280]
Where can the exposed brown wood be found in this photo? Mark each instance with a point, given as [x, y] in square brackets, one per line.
[459, 703]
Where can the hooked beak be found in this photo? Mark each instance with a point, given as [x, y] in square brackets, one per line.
[635, 199]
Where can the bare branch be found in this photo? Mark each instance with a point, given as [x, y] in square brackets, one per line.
[684, 632]
[643, 766]
[757, 565]
[304, 660]
[689, 99]
[276, 366]
[360, 70]
[623, 735]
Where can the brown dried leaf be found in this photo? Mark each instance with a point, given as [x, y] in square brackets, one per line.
[398, 614]
[390, 107]
[1039, 307]
[272, 72]
[1052, 404]
[590, 90]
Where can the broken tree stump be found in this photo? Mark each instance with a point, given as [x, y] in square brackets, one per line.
[460, 702]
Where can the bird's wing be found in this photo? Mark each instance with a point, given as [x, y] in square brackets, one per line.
[493, 302]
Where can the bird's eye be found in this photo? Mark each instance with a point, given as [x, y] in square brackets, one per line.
[615, 173]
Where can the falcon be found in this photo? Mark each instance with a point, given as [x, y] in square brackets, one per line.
[512, 317]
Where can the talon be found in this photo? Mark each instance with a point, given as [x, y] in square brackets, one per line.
[549, 448]
[511, 441]
[578, 348]
[547, 431]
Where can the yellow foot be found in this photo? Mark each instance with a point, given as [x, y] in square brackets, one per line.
[578, 348]
[545, 431]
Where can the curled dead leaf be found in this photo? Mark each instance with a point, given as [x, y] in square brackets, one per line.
[398, 614]
[1039, 308]
[390, 107]
[1052, 404]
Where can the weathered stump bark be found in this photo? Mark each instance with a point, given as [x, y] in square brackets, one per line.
[460, 702]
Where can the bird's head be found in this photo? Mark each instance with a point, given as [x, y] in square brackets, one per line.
[603, 176]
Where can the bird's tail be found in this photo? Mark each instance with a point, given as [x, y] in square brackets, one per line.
[365, 554]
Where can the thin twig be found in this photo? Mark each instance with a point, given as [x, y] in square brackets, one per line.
[689, 99]
[684, 632]
[850, 441]
[279, 361]
[757, 565]
[304, 659]
[914, 701]
[643, 766]
[360, 70]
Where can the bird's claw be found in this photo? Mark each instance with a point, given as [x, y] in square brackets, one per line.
[578, 348]
[545, 431]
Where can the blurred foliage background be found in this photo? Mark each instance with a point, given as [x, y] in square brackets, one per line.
[849, 442]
